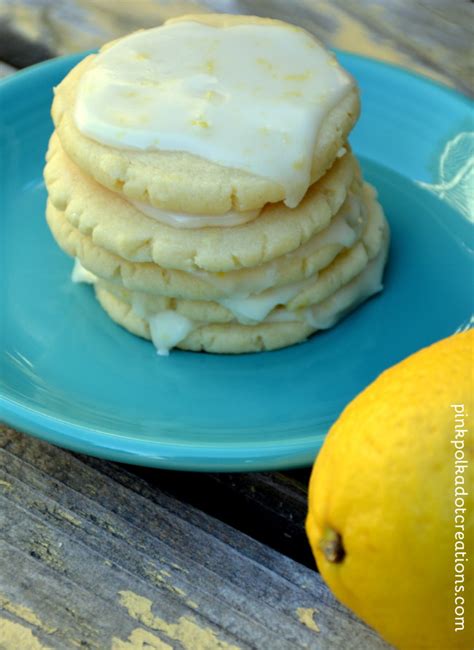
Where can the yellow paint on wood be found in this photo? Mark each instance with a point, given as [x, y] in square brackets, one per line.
[191, 603]
[162, 577]
[14, 636]
[69, 517]
[25, 614]
[44, 550]
[179, 568]
[186, 630]
[140, 639]
[306, 616]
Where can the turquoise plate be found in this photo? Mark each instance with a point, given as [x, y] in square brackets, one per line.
[71, 376]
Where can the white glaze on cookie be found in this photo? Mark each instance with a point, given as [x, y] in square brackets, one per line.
[182, 220]
[249, 96]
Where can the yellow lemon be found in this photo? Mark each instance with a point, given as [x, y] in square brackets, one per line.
[391, 501]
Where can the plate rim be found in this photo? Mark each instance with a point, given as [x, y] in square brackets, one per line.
[152, 453]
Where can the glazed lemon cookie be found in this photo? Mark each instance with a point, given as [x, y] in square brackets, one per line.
[170, 328]
[211, 197]
[319, 301]
[247, 310]
[252, 111]
[343, 231]
[120, 228]
[360, 216]
[218, 338]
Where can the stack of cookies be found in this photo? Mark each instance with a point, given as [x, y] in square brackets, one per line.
[200, 175]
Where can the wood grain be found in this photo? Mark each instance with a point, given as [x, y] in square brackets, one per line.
[269, 506]
[432, 37]
[90, 553]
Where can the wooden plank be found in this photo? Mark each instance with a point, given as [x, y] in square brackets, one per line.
[90, 553]
[438, 34]
[17, 49]
[269, 506]
[434, 38]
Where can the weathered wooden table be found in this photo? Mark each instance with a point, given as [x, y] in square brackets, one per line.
[99, 555]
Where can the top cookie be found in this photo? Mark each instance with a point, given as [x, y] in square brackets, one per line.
[252, 111]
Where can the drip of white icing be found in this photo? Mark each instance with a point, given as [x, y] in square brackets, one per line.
[255, 308]
[81, 274]
[167, 329]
